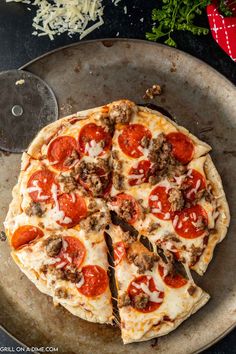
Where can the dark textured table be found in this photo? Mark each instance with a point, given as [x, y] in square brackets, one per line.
[18, 46]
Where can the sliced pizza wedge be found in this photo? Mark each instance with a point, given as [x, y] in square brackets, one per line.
[69, 265]
[187, 215]
[153, 298]
[77, 150]
[57, 237]
[149, 147]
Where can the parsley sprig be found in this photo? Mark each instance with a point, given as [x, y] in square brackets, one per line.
[224, 9]
[179, 15]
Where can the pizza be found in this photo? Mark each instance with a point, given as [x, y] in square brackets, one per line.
[121, 170]
[167, 187]
[153, 297]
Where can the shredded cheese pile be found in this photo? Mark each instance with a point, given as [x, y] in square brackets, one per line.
[72, 16]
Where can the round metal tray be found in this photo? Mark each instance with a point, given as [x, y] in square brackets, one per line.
[93, 73]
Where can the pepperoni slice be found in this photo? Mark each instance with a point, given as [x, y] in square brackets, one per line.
[24, 235]
[159, 203]
[39, 186]
[182, 146]
[73, 253]
[130, 139]
[190, 222]
[194, 183]
[119, 252]
[127, 202]
[137, 286]
[95, 281]
[74, 207]
[173, 281]
[59, 150]
[140, 173]
[94, 140]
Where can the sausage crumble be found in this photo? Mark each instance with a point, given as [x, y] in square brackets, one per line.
[141, 257]
[95, 222]
[69, 161]
[121, 112]
[35, 208]
[53, 245]
[152, 92]
[124, 300]
[70, 273]
[164, 164]
[141, 301]
[61, 293]
[176, 199]
[67, 183]
[90, 174]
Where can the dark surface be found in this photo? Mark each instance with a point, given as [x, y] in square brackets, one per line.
[18, 46]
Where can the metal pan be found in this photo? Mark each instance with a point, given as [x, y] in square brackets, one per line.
[92, 73]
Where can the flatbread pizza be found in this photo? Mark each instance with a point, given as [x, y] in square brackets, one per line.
[155, 177]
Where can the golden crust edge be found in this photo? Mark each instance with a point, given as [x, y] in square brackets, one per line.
[223, 220]
[45, 133]
[165, 328]
[74, 310]
[180, 128]
[14, 208]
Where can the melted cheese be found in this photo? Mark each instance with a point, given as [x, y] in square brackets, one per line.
[55, 213]
[153, 295]
[34, 256]
[36, 188]
[93, 148]
[176, 304]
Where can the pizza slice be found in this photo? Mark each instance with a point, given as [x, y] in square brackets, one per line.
[149, 147]
[153, 297]
[51, 204]
[187, 215]
[77, 149]
[65, 174]
[200, 219]
[69, 265]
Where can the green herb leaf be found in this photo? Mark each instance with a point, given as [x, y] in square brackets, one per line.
[179, 15]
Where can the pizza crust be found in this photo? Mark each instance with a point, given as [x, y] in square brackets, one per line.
[53, 129]
[223, 220]
[167, 327]
[14, 209]
[178, 306]
[202, 147]
[79, 311]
